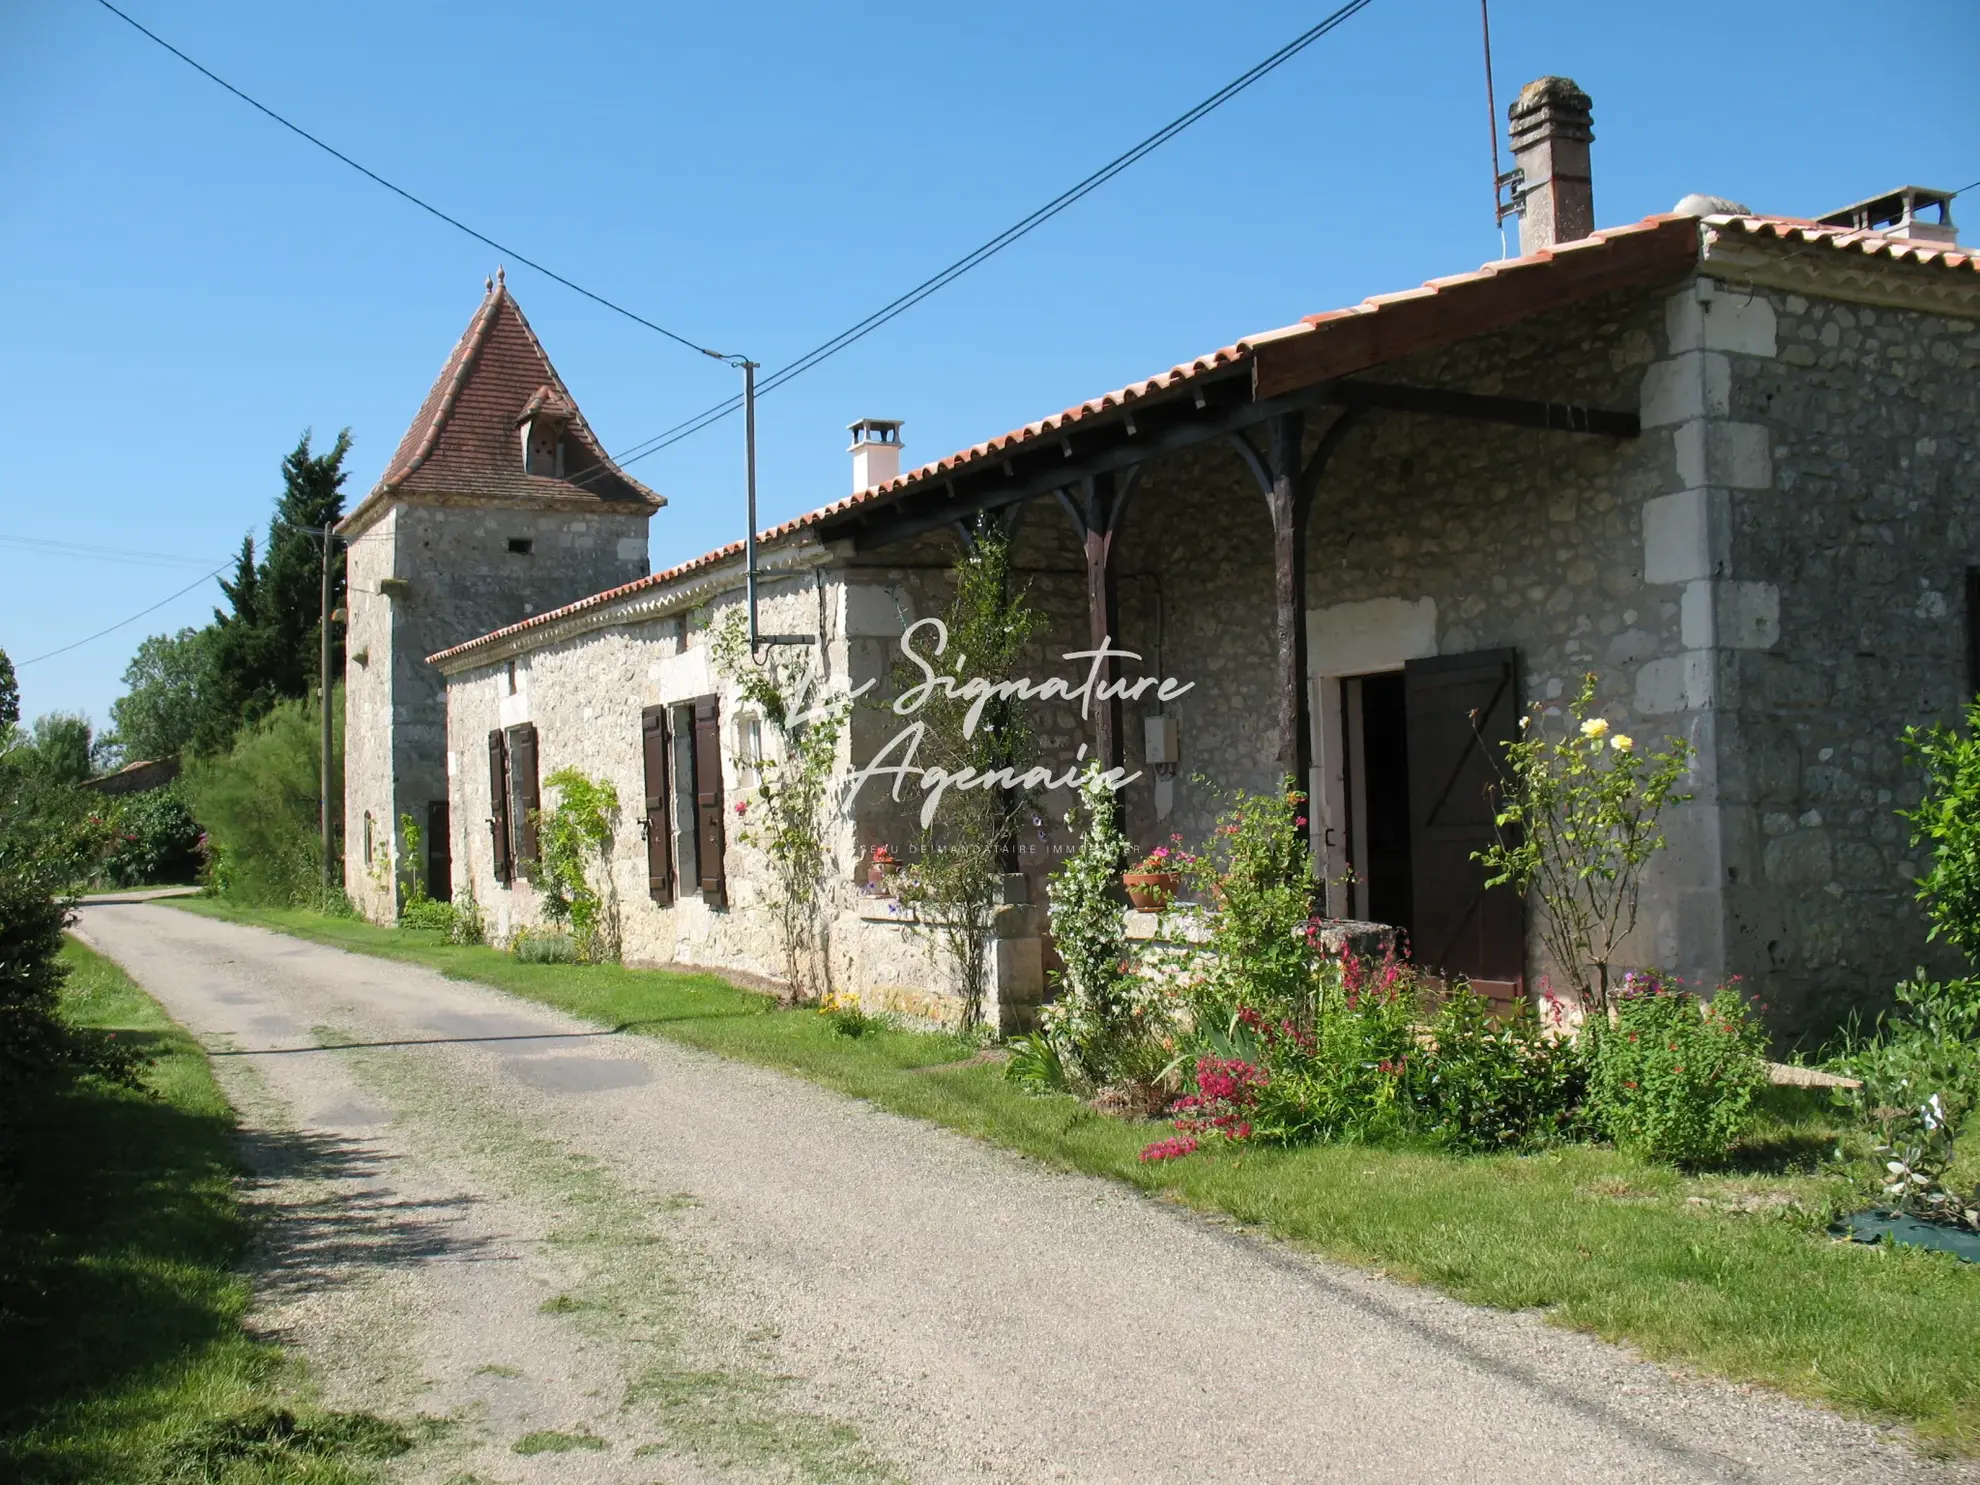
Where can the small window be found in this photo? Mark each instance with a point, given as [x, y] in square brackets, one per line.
[367, 837]
[512, 677]
[522, 546]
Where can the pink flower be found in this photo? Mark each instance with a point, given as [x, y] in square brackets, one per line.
[1299, 820]
[741, 805]
[1170, 1149]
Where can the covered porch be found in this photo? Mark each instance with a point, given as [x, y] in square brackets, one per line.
[1350, 538]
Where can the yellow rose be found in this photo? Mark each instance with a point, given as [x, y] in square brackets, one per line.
[1594, 727]
[1622, 742]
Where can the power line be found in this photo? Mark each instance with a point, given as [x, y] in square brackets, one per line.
[1021, 228]
[403, 193]
[131, 620]
[43, 547]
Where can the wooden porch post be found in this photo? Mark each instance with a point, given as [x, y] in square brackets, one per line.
[1290, 498]
[1096, 517]
[1288, 486]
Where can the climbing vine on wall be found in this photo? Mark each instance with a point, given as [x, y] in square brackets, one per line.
[964, 853]
[573, 837]
[789, 813]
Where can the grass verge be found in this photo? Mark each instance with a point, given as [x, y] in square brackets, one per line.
[122, 1353]
[1727, 1273]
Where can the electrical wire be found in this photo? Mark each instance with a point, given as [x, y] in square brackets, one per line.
[1019, 229]
[403, 193]
[121, 623]
[42, 547]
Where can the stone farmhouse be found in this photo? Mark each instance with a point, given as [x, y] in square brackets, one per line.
[1725, 460]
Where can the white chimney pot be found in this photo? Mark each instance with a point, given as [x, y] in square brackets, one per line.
[876, 451]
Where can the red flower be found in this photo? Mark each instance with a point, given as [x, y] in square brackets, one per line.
[1170, 1149]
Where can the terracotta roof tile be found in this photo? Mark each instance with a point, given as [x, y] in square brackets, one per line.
[463, 442]
[1480, 281]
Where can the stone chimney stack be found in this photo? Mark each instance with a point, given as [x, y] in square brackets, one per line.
[876, 451]
[1552, 128]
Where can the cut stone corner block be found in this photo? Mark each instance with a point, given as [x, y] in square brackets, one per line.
[1682, 533]
[1734, 456]
[1693, 384]
[1707, 315]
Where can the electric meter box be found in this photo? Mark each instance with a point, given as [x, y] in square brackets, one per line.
[1160, 745]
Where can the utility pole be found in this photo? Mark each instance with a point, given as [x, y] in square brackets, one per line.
[323, 659]
[749, 540]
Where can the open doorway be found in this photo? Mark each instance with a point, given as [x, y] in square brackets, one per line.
[1375, 750]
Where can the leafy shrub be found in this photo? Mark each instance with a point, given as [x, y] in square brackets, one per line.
[428, 914]
[467, 928]
[1920, 1081]
[154, 839]
[1343, 1075]
[1671, 1079]
[1494, 1084]
[258, 802]
[1259, 874]
[1948, 816]
[543, 948]
[1103, 1024]
[847, 1016]
[34, 1040]
[1577, 826]
[569, 838]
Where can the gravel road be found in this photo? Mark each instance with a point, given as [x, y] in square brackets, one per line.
[606, 1258]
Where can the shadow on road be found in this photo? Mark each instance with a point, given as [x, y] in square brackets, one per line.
[331, 1212]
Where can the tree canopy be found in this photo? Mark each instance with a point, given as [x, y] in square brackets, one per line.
[193, 691]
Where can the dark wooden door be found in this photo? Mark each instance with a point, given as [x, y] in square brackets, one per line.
[659, 835]
[1462, 710]
[439, 852]
[708, 799]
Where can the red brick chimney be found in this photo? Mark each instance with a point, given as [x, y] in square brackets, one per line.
[1552, 128]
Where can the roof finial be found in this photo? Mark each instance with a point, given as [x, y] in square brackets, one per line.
[499, 278]
[488, 285]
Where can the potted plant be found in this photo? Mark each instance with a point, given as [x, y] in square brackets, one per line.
[1153, 881]
[885, 864]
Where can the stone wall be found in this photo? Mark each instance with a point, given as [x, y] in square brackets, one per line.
[423, 578]
[1773, 572]
[584, 694]
[1847, 550]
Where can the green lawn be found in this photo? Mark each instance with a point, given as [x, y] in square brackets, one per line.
[122, 1354]
[1727, 1273]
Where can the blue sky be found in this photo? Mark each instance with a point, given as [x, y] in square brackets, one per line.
[187, 287]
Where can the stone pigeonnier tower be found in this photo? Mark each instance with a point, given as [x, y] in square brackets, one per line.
[499, 503]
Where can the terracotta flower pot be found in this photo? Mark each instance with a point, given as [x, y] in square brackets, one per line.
[1151, 891]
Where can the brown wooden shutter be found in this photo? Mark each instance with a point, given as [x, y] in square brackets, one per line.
[498, 806]
[1972, 632]
[439, 851]
[659, 833]
[525, 801]
[1462, 710]
[708, 799]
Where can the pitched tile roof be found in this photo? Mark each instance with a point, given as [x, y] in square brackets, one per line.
[463, 445]
[1342, 342]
